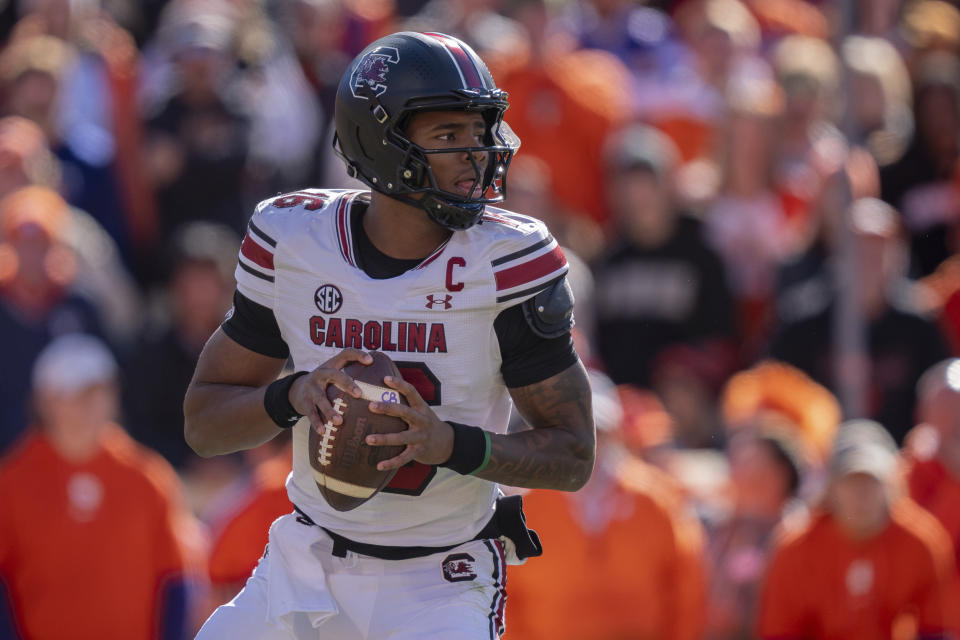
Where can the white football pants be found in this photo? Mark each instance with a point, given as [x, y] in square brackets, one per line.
[299, 590]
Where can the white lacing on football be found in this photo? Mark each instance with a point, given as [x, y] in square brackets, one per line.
[326, 440]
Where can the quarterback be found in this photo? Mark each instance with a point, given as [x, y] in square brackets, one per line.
[469, 300]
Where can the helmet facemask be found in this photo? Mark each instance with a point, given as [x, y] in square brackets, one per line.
[414, 175]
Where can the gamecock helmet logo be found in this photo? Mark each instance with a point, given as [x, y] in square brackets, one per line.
[372, 71]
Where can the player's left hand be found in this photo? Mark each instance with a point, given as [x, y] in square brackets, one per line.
[429, 440]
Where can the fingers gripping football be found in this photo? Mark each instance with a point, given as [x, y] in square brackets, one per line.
[308, 395]
[428, 439]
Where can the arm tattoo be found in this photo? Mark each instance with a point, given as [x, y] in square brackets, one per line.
[557, 453]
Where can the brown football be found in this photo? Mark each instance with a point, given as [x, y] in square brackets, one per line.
[344, 465]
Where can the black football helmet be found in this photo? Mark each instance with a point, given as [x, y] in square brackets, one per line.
[406, 73]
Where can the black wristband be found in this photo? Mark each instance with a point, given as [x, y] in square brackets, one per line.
[276, 401]
[471, 449]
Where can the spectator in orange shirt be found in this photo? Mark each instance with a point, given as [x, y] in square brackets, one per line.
[90, 527]
[631, 556]
[776, 419]
[870, 566]
[933, 447]
[570, 101]
[240, 534]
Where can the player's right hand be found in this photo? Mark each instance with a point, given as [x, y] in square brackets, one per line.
[308, 394]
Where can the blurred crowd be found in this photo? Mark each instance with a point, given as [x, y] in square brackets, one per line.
[760, 202]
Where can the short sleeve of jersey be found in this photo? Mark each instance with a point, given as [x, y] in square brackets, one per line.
[524, 256]
[255, 270]
[254, 326]
[526, 357]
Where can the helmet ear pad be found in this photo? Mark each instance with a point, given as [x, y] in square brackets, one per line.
[414, 173]
[413, 168]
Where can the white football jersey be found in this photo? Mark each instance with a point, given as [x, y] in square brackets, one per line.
[435, 321]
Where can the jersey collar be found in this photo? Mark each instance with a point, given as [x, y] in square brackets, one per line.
[347, 244]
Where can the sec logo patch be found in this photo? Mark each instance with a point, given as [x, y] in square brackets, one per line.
[328, 298]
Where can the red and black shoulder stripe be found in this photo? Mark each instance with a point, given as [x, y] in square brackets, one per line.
[256, 253]
[529, 269]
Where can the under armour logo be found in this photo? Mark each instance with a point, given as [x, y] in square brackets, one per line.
[434, 301]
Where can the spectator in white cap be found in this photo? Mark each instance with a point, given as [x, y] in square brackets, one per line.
[75, 393]
[92, 526]
[863, 471]
[869, 563]
[933, 447]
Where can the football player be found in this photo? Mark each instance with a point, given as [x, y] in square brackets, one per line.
[471, 303]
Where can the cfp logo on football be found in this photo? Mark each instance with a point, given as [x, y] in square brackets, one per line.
[328, 298]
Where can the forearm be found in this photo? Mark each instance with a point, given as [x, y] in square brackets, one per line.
[224, 418]
[558, 452]
[224, 407]
[539, 459]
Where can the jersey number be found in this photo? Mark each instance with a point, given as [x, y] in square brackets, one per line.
[309, 201]
[412, 478]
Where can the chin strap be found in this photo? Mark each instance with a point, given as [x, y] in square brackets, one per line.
[455, 217]
[451, 216]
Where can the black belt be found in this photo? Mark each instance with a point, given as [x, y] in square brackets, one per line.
[507, 521]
